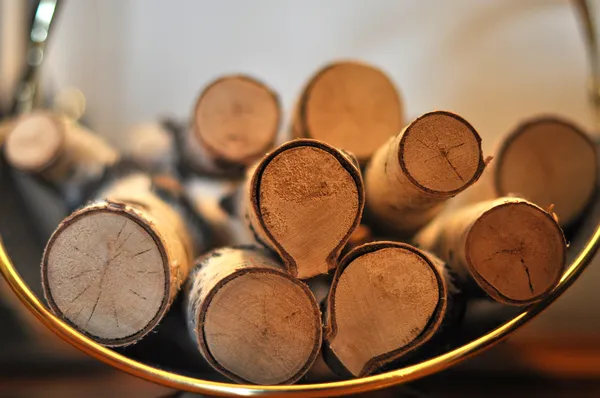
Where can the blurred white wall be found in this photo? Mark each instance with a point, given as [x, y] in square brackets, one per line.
[494, 61]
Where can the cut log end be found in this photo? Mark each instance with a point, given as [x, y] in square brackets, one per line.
[351, 106]
[309, 199]
[262, 327]
[237, 119]
[388, 300]
[35, 142]
[440, 152]
[516, 252]
[561, 166]
[105, 272]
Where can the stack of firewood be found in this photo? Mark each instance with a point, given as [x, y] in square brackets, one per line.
[354, 207]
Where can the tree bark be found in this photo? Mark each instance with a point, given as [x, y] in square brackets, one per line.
[512, 249]
[252, 321]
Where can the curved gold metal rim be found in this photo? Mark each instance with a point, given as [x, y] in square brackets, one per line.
[370, 383]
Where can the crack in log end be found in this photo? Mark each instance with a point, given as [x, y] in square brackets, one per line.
[455, 146]
[528, 275]
[78, 312]
[100, 286]
[82, 292]
[137, 294]
[444, 153]
[425, 144]
[121, 230]
[142, 252]
[93, 309]
[77, 249]
[80, 274]
[123, 243]
[114, 258]
[115, 314]
[290, 316]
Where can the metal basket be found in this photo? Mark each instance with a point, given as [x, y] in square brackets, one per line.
[585, 242]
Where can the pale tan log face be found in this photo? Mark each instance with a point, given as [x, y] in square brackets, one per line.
[440, 152]
[237, 119]
[549, 162]
[106, 275]
[34, 142]
[434, 158]
[354, 107]
[383, 302]
[516, 251]
[262, 328]
[309, 203]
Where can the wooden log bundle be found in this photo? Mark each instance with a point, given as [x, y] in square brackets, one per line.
[549, 161]
[304, 201]
[234, 123]
[409, 179]
[112, 268]
[387, 299]
[510, 248]
[352, 106]
[252, 321]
